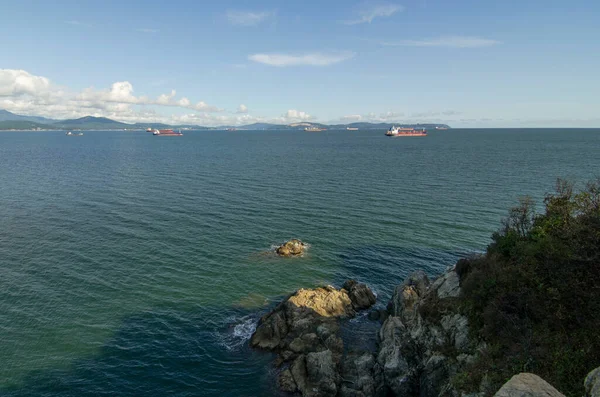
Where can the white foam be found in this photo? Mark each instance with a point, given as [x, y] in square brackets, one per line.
[239, 331]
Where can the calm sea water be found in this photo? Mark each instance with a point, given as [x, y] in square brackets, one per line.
[137, 265]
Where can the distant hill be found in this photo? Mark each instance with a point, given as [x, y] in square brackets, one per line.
[10, 120]
[91, 123]
[5, 115]
[23, 125]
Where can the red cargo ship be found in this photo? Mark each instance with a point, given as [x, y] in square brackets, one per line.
[168, 132]
[402, 131]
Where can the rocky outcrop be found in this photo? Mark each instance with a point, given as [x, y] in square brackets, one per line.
[592, 383]
[361, 296]
[527, 385]
[292, 247]
[423, 343]
[420, 355]
[304, 331]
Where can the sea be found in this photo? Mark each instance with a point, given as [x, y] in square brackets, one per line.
[134, 265]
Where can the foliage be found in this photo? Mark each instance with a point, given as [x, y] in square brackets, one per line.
[534, 297]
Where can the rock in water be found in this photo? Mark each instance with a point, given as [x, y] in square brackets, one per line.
[527, 385]
[360, 295]
[293, 247]
[304, 330]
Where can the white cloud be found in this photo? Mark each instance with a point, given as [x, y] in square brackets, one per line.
[369, 12]
[24, 93]
[242, 109]
[447, 41]
[20, 82]
[248, 18]
[352, 118]
[293, 115]
[310, 59]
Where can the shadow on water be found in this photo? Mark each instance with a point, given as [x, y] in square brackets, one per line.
[166, 353]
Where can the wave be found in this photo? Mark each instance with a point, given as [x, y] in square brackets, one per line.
[239, 331]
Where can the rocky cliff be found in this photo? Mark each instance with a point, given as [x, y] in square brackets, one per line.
[423, 344]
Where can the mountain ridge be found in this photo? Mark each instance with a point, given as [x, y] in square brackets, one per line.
[11, 121]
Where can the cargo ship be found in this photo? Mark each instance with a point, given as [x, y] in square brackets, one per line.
[405, 131]
[314, 129]
[168, 132]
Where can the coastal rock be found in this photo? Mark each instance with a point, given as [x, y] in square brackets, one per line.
[407, 295]
[292, 247]
[447, 286]
[361, 377]
[527, 385]
[322, 374]
[592, 383]
[286, 381]
[324, 301]
[434, 377]
[457, 328]
[361, 296]
[396, 358]
[304, 329]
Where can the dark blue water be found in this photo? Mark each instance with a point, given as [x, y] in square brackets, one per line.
[138, 265]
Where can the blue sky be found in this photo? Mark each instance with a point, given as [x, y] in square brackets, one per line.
[468, 63]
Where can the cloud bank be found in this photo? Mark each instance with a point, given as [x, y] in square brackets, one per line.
[309, 59]
[248, 18]
[447, 41]
[369, 12]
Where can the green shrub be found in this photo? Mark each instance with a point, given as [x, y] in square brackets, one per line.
[534, 297]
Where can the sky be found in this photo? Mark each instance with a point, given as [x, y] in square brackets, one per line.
[467, 63]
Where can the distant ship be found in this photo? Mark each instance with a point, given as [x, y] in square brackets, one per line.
[69, 133]
[405, 131]
[441, 128]
[232, 129]
[168, 132]
[314, 129]
[352, 128]
[149, 129]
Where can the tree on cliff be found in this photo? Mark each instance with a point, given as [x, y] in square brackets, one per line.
[534, 297]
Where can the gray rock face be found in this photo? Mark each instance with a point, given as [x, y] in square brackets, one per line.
[457, 329]
[434, 377]
[410, 345]
[360, 295]
[322, 374]
[447, 286]
[592, 383]
[527, 385]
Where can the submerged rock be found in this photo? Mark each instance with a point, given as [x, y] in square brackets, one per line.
[292, 247]
[527, 385]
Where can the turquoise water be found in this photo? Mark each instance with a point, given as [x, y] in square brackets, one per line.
[138, 265]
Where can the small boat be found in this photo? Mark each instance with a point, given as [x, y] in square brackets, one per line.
[69, 133]
[167, 132]
[232, 129]
[148, 129]
[441, 128]
[314, 129]
[405, 131]
[352, 128]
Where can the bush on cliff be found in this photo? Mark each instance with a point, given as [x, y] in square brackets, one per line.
[534, 297]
